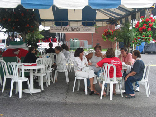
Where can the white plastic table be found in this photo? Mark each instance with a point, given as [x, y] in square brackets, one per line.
[31, 68]
[124, 66]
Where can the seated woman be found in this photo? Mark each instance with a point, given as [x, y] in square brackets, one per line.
[111, 59]
[126, 57]
[60, 58]
[136, 74]
[30, 57]
[94, 58]
[82, 70]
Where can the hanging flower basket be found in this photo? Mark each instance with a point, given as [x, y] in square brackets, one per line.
[108, 35]
[143, 30]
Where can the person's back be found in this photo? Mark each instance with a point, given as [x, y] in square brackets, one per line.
[50, 50]
[30, 57]
[111, 59]
[115, 61]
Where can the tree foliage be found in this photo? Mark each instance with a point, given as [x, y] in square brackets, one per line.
[124, 34]
[19, 20]
[33, 38]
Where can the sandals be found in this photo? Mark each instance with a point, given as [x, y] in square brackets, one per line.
[95, 93]
[129, 96]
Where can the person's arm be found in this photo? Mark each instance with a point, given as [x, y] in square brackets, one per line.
[120, 57]
[100, 63]
[130, 74]
[89, 56]
[97, 65]
[104, 56]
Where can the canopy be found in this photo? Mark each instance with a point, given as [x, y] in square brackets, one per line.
[86, 16]
[76, 4]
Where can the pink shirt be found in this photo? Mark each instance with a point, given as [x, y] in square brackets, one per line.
[128, 58]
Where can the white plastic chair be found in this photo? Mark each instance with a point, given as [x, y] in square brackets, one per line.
[70, 64]
[79, 78]
[41, 74]
[62, 70]
[108, 80]
[16, 78]
[145, 79]
[5, 72]
[48, 63]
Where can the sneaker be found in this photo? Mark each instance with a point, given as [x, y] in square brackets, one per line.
[137, 89]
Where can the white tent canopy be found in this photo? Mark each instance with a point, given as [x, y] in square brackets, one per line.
[76, 4]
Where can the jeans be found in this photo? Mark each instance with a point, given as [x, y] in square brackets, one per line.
[136, 83]
[129, 84]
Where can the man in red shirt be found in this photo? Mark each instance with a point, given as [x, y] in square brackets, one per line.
[111, 59]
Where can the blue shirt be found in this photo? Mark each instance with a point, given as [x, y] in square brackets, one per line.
[138, 67]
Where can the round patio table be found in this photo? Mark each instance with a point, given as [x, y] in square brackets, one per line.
[31, 68]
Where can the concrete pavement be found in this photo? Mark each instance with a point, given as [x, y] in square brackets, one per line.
[58, 100]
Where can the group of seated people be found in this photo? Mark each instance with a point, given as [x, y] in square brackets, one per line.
[96, 60]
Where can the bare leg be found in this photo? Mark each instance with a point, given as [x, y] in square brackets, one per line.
[91, 84]
[114, 86]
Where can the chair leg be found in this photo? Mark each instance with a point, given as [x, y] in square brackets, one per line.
[85, 82]
[74, 84]
[55, 77]
[4, 82]
[12, 82]
[51, 76]
[111, 91]
[120, 87]
[28, 85]
[78, 86]
[20, 88]
[46, 79]
[17, 87]
[67, 78]
[102, 89]
[147, 89]
[108, 87]
[41, 79]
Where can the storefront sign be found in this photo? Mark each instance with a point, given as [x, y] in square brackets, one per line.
[72, 29]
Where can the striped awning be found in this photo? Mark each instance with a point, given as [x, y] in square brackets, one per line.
[76, 4]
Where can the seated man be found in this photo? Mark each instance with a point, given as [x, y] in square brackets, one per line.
[50, 50]
[136, 74]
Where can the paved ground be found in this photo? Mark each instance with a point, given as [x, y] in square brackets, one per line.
[58, 100]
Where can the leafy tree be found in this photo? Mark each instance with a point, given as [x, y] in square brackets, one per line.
[33, 38]
[19, 20]
[125, 34]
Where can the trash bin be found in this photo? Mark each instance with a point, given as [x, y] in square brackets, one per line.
[71, 44]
